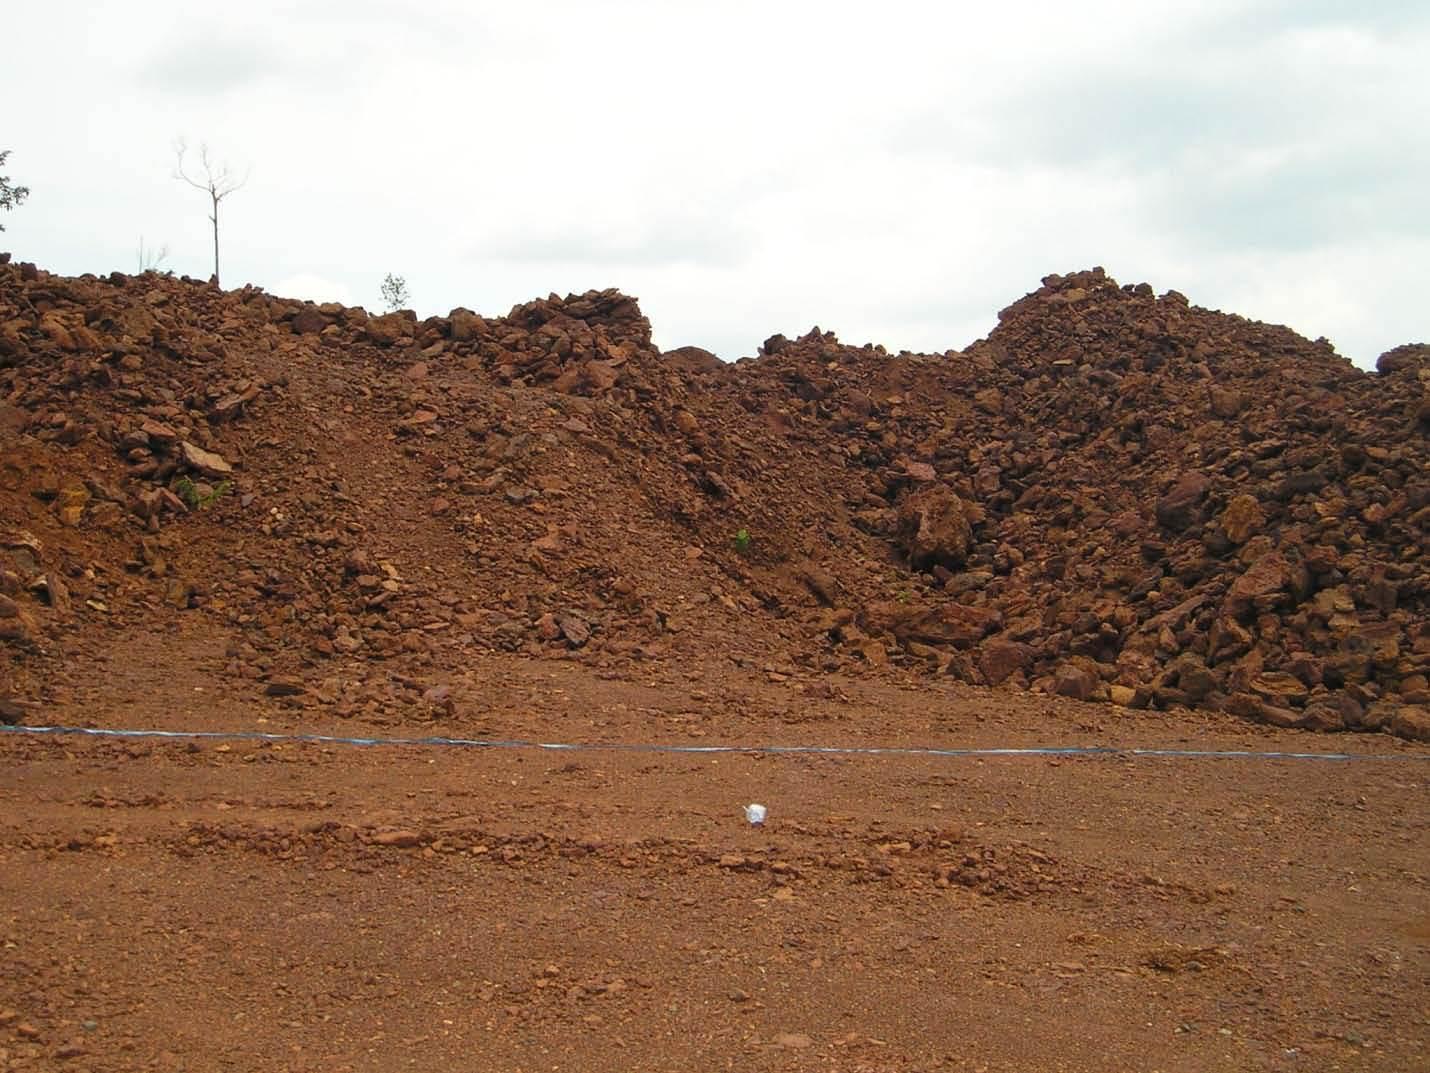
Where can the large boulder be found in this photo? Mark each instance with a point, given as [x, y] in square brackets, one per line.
[1411, 721]
[1408, 356]
[958, 625]
[391, 328]
[999, 658]
[692, 359]
[309, 321]
[465, 325]
[1078, 679]
[1181, 506]
[934, 529]
[1262, 584]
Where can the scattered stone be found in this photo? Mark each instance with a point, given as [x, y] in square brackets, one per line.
[1000, 658]
[1411, 721]
[204, 462]
[1279, 688]
[1242, 518]
[1263, 583]
[309, 322]
[1181, 506]
[397, 839]
[1076, 682]
[1122, 696]
[574, 628]
[1115, 496]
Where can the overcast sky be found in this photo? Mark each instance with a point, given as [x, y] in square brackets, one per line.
[896, 172]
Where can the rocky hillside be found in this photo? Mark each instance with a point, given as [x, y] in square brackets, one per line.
[1115, 496]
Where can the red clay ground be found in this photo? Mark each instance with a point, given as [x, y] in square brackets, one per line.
[181, 906]
[231, 511]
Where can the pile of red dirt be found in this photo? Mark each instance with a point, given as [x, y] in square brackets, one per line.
[1115, 496]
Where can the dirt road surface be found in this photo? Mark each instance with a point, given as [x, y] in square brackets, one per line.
[238, 905]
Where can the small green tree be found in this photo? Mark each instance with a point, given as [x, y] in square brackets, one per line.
[394, 293]
[10, 196]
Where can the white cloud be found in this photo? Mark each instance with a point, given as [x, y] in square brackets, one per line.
[748, 167]
[314, 289]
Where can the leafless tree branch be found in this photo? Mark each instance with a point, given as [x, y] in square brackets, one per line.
[215, 180]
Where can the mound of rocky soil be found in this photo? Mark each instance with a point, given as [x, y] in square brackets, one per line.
[1115, 496]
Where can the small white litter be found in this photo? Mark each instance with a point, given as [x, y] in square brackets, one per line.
[755, 814]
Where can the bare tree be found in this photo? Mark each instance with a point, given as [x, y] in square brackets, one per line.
[215, 180]
[149, 258]
[10, 196]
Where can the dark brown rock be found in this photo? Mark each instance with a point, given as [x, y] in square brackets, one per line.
[692, 359]
[1411, 721]
[1403, 358]
[309, 322]
[959, 625]
[1181, 506]
[574, 628]
[1263, 583]
[1279, 688]
[1000, 658]
[390, 328]
[1242, 518]
[934, 529]
[1225, 403]
[464, 325]
[1322, 716]
[1078, 682]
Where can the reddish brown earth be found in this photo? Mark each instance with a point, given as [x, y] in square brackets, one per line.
[315, 907]
[1115, 497]
[229, 511]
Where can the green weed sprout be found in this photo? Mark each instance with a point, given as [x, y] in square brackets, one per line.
[188, 491]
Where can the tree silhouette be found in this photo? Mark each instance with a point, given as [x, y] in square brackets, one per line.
[149, 258]
[10, 196]
[394, 292]
[216, 180]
